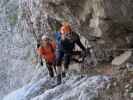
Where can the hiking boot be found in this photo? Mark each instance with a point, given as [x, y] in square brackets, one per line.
[63, 74]
[50, 71]
[59, 79]
[51, 74]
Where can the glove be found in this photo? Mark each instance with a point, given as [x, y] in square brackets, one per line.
[38, 45]
[41, 62]
[83, 54]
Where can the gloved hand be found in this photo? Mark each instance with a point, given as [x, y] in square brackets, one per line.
[41, 62]
[38, 45]
[84, 53]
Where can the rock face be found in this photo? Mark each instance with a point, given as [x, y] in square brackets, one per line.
[106, 24]
[74, 87]
[122, 58]
[16, 50]
[91, 17]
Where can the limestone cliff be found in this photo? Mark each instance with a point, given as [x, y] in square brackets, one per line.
[106, 24]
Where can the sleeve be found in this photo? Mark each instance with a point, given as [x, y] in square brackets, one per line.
[57, 36]
[78, 42]
[40, 52]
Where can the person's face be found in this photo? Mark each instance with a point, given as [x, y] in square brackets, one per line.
[62, 31]
[65, 30]
[44, 42]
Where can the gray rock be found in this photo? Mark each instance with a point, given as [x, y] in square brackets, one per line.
[76, 87]
[109, 20]
[127, 86]
[122, 58]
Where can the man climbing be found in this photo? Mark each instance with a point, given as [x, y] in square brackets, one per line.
[46, 51]
[65, 40]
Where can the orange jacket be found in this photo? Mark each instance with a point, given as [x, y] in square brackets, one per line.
[47, 52]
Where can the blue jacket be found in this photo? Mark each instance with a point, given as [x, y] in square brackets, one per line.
[58, 40]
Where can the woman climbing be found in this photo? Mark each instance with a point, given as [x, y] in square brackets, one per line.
[65, 40]
[46, 51]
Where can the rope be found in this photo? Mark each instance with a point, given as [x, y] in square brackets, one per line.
[122, 49]
[29, 22]
[111, 49]
[27, 13]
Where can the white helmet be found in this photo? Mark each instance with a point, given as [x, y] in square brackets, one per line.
[44, 37]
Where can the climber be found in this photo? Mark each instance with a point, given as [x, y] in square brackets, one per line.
[65, 40]
[46, 51]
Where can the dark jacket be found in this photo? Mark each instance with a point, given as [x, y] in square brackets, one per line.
[68, 44]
